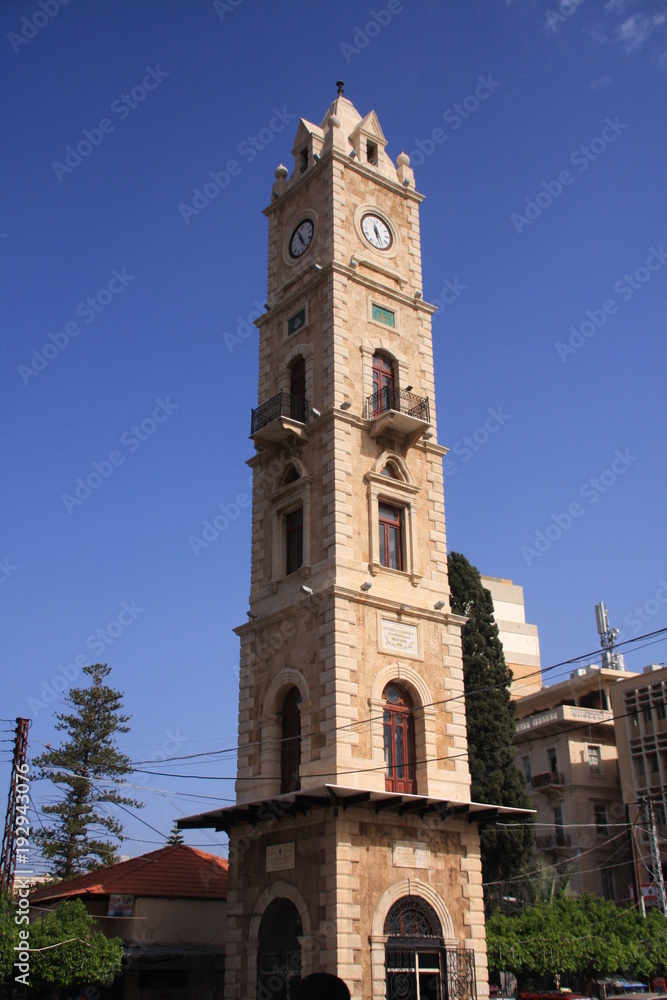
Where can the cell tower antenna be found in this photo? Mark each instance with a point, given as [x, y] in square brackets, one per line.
[19, 772]
[611, 658]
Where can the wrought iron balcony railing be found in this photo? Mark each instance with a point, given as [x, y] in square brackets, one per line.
[551, 840]
[283, 405]
[398, 400]
[547, 779]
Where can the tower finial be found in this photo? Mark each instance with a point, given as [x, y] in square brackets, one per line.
[340, 84]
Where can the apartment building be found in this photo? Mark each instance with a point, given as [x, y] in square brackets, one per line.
[639, 705]
[520, 640]
[566, 748]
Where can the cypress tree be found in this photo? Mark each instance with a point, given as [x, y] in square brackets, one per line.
[87, 767]
[490, 722]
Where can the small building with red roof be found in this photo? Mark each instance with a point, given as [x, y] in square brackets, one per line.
[169, 907]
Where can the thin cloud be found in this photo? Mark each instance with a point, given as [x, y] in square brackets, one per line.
[601, 83]
[636, 29]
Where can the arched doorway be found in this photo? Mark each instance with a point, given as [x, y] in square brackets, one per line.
[418, 965]
[414, 953]
[298, 389]
[383, 384]
[279, 951]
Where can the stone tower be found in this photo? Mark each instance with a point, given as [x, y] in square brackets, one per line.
[354, 846]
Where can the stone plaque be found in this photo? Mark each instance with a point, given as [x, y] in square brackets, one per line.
[399, 637]
[411, 854]
[280, 857]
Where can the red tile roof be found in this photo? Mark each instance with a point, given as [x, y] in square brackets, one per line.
[176, 871]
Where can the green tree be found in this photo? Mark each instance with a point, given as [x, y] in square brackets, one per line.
[490, 722]
[88, 767]
[544, 883]
[74, 954]
[582, 936]
[176, 836]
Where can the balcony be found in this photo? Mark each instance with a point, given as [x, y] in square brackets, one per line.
[553, 841]
[398, 411]
[547, 780]
[554, 718]
[279, 417]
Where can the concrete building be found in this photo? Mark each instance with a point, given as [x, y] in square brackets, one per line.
[566, 748]
[354, 846]
[520, 641]
[639, 704]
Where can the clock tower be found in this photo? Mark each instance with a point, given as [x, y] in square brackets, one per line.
[354, 846]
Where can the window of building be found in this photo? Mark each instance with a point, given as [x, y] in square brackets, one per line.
[552, 760]
[383, 384]
[291, 475]
[390, 471]
[652, 760]
[608, 888]
[391, 536]
[559, 827]
[659, 812]
[372, 153]
[294, 540]
[399, 740]
[526, 769]
[646, 709]
[391, 518]
[600, 814]
[594, 758]
[290, 744]
[279, 951]
[298, 389]
[639, 764]
[660, 710]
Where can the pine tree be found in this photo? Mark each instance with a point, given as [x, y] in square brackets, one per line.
[176, 836]
[87, 767]
[490, 722]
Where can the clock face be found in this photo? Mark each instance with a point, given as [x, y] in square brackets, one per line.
[376, 231]
[301, 238]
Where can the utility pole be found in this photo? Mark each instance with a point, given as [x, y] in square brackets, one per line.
[19, 771]
[656, 863]
[636, 871]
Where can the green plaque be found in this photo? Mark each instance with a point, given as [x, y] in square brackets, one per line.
[385, 316]
[296, 322]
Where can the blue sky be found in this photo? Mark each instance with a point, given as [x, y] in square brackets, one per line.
[536, 131]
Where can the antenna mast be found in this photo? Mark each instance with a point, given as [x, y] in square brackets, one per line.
[19, 772]
[611, 658]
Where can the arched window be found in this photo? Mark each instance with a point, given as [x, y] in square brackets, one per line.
[298, 389]
[290, 746]
[279, 951]
[399, 741]
[383, 384]
[414, 958]
[291, 475]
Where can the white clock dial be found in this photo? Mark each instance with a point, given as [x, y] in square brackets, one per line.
[301, 238]
[376, 231]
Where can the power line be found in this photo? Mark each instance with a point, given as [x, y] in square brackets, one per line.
[370, 719]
